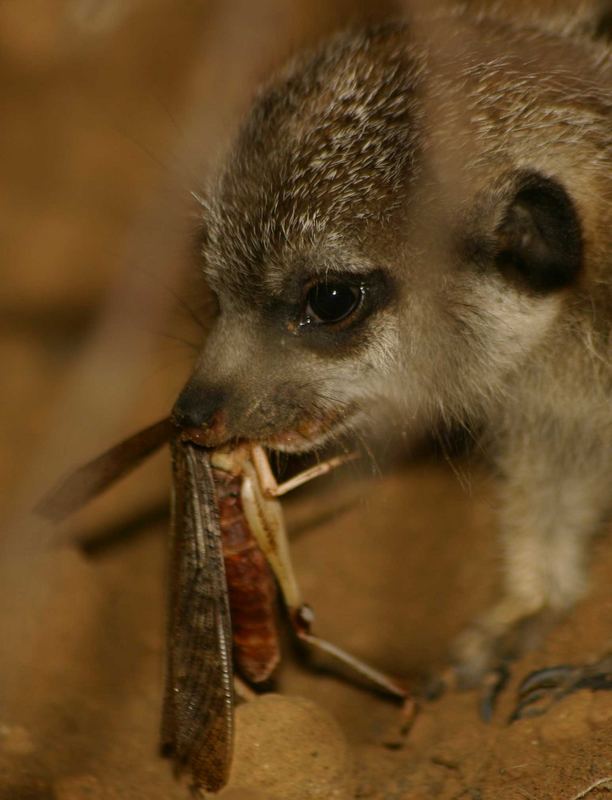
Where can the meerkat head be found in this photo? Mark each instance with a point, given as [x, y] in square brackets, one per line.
[344, 284]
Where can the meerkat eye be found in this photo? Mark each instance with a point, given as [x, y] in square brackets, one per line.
[329, 303]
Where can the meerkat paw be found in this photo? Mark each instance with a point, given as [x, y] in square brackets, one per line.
[481, 654]
[490, 643]
[481, 661]
[545, 687]
[474, 654]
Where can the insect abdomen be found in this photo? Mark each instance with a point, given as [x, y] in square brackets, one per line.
[250, 586]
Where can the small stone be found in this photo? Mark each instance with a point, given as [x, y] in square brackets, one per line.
[290, 749]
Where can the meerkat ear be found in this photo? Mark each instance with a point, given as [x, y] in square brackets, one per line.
[539, 240]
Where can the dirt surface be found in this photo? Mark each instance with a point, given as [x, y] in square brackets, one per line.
[111, 111]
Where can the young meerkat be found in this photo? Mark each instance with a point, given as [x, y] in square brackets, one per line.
[416, 221]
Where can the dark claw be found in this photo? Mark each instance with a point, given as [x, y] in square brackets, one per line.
[544, 687]
[534, 704]
[549, 677]
[492, 686]
[596, 683]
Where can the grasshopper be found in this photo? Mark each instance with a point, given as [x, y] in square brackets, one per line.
[228, 544]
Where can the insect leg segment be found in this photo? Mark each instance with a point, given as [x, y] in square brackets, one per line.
[379, 679]
[268, 482]
[265, 518]
[250, 584]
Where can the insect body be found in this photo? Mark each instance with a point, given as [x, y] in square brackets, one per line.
[225, 510]
[250, 583]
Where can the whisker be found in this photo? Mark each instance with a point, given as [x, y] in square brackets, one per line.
[191, 313]
[178, 340]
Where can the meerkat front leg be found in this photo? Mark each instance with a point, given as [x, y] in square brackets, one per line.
[552, 500]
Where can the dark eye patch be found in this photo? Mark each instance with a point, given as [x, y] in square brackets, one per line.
[330, 303]
[326, 311]
[332, 312]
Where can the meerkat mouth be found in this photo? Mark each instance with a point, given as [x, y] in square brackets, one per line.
[310, 432]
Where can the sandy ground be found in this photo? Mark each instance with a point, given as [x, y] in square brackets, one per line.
[106, 121]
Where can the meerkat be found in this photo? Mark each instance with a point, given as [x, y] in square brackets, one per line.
[415, 223]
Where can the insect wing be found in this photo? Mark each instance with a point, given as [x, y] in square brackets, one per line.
[197, 724]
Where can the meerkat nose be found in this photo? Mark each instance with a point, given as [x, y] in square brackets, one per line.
[197, 405]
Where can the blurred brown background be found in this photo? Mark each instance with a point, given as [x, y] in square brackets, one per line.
[112, 113]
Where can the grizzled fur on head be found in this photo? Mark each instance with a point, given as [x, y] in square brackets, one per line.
[336, 127]
[455, 180]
